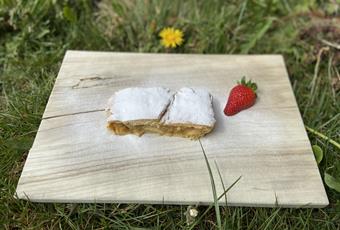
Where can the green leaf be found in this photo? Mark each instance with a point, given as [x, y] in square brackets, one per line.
[318, 153]
[332, 182]
[69, 14]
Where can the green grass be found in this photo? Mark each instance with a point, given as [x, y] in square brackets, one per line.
[35, 34]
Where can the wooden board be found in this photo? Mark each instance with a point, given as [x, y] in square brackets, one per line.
[74, 157]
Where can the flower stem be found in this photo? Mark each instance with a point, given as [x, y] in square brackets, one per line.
[313, 131]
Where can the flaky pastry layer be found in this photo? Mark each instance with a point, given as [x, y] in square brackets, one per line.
[153, 126]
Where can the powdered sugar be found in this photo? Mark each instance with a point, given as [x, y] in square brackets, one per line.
[139, 103]
[190, 106]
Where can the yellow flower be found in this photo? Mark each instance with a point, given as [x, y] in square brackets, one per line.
[171, 37]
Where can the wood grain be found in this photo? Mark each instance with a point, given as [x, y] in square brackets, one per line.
[74, 158]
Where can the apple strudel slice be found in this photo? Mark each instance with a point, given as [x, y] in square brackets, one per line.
[188, 113]
[137, 110]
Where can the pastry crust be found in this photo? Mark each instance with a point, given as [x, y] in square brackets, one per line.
[188, 113]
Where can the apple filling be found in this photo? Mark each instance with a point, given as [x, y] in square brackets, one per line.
[180, 130]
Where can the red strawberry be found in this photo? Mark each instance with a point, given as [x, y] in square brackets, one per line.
[241, 97]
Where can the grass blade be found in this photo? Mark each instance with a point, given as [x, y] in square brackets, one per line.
[324, 137]
[210, 206]
[213, 187]
[248, 46]
[221, 179]
[243, 7]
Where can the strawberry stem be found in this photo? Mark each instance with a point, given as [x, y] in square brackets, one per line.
[248, 83]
